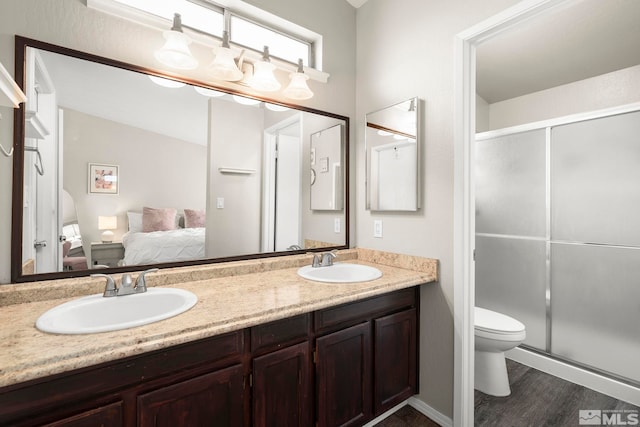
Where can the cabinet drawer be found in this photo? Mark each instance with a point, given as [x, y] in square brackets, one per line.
[351, 313]
[274, 335]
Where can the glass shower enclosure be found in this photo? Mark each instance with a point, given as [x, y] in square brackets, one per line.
[558, 238]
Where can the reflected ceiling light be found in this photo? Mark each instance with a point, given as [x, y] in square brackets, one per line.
[298, 88]
[175, 52]
[245, 101]
[208, 92]
[384, 133]
[275, 107]
[399, 137]
[263, 78]
[224, 66]
[161, 81]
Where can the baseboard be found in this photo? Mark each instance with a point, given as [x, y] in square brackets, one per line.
[390, 412]
[419, 406]
[577, 375]
[427, 410]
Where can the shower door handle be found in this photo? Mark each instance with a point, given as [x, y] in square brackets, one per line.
[40, 244]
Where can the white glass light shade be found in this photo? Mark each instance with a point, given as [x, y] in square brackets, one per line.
[161, 81]
[246, 101]
[275, 107]
[263, 78]
[224, 67]
[175, 52]
[208, 92]
[298, 88]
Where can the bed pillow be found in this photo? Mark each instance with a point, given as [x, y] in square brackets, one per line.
[135, 221]
[158, 219]
[194, 218]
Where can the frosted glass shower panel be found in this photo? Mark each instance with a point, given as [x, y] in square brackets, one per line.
[595, 181]
[511, 184]
[511, 279]
[595, 306]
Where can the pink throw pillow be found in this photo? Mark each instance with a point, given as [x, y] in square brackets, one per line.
[158, 219]
[194, 218]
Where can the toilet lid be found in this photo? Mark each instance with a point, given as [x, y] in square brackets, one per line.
[490, 321]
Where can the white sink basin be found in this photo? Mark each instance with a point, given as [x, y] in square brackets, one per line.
[340, 273]
[95, 313]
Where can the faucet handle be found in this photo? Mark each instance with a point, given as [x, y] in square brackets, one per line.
[328, 257]
[316, 259]
[141, 281]
[110, 288]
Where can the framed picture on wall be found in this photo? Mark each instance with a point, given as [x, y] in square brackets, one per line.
[103, 179]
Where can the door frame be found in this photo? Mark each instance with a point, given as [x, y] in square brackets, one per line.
[269, 177]
[464, 192]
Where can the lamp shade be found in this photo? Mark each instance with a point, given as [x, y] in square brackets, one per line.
[263, 78]
[298, 88]
[175, 53]
[224, 67]
[107, 223]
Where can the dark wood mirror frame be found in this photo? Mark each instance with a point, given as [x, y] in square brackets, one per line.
[17, 276]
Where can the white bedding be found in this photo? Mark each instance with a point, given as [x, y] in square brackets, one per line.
[163, 246]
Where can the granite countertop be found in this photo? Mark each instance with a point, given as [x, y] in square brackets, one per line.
[231, 296]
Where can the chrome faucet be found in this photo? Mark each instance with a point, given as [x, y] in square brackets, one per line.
[127, 286]
[324, 259]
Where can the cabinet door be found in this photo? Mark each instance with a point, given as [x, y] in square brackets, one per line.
[214, 399]
[106, 416]
[395, 372]
[343, 376]
[281, 388]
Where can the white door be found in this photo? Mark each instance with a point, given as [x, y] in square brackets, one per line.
[288, 176]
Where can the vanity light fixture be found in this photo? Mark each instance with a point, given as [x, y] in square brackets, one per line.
[107, 223]
[298, 88]
[263, 78]
[224, 65]
[175, 53]
[10, 96]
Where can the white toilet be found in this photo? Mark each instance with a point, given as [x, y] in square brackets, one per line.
[495, 333]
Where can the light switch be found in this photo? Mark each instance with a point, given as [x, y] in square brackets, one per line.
[220, 203]
[377, 228]
[336, 225]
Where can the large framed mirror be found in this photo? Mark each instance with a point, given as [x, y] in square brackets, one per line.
[392, 156]
[120, 168]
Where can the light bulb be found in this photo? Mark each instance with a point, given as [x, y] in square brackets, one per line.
[263, 78]
[224, 66]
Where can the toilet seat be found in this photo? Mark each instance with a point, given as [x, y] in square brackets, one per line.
[487, 322]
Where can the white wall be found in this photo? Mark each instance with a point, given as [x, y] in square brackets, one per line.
[174, 177]
[604, 91]
[233, 143]
[71, 24]
[406, 49]
[482, 115]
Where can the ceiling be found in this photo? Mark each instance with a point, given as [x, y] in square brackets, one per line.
[586, 39]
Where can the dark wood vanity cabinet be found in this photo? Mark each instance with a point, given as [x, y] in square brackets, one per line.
[369, 364]
[343, 365]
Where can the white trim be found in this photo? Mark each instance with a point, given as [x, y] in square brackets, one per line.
[577, 375]
[386, 415]
[464, 201]
[417, 404]
[558, 121]
[430, 412]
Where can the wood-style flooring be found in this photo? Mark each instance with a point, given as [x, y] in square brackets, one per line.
[537, 399]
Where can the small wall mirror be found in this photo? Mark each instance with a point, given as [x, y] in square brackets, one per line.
[392, 151]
